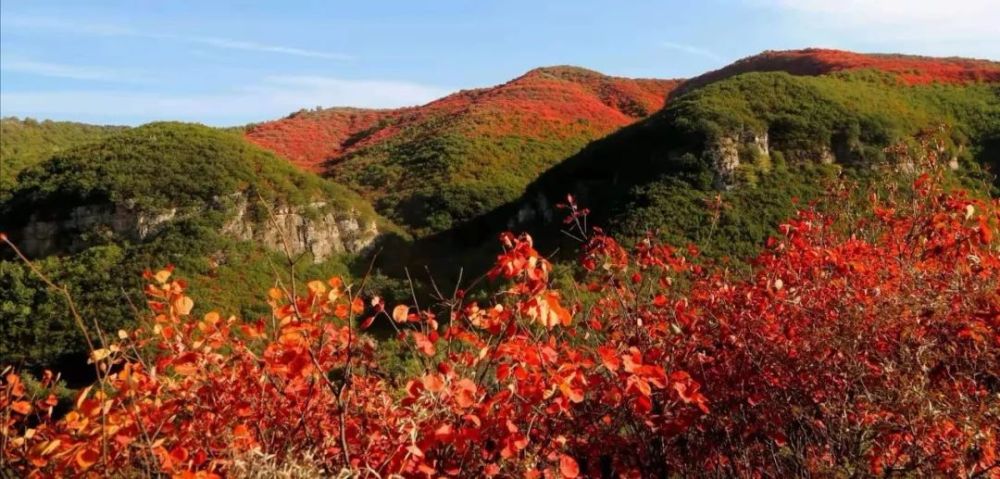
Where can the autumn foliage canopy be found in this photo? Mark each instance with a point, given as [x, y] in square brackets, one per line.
[862, 344]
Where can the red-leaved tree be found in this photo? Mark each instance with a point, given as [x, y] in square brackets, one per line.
[866, 345]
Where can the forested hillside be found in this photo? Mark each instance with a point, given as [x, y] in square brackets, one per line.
[224, 212]
[453, 159]
[784, 268]
[27, 142]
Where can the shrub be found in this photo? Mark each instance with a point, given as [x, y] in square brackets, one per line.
[859, 345]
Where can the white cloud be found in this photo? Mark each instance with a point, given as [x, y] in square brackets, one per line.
[271, 98]
[959, 27]
[691, 50]
[107, 30]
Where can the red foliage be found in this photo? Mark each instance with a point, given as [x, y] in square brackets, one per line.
[911, 70]
[308, 139]
[865, 347]
[544, 102]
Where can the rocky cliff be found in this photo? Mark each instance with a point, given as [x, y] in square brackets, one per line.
[314, 228]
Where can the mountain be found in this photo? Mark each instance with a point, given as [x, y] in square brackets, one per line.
[433, 166]
[716, 161]
[227, 213]
[27, 142]
[909, 69]
[311, 138]
[761, 141]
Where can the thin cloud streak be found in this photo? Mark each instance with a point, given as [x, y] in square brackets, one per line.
[257, 47]
[692, 50]
[107, 30]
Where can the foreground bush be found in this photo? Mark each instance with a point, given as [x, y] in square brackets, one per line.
[862, 345]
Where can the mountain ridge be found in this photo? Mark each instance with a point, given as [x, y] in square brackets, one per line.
[910, 69]
[337, 134]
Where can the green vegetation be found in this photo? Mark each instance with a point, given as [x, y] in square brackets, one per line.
[439, 181]
[151, 168]
[36, 327]
[27, 142]
[656, 175]
[163, 165]
[456, 184]
[857, 112]
[455, 159]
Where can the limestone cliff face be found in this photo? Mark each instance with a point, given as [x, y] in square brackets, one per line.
[724, 154]
[311, 228]
[314, 228]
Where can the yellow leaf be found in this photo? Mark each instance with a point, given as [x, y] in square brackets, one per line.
[183, 305]
[162, 276]
[317, 287]
[50, 447]
[99, 354]
[334, 295]
[400, 312]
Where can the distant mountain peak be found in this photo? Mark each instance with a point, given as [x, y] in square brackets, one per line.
[910, 69]
[554, 95]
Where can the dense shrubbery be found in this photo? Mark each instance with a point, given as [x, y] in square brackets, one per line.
[152, 168]
[192, 165]
[27, 142]
[864, 342]
[38, 330]
[655, 174]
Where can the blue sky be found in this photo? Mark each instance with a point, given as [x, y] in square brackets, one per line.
[229, 62]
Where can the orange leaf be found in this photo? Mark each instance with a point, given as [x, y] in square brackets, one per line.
[466, 393]
[86, 458]
[425, 345]
[241, 432]
[568, 467]
[21, 407]
[609, 358]
[433, 383]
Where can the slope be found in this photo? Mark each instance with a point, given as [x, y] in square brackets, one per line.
[223, 211]
[450, 160]
[722, 163]
[909, 69]
[27, 142]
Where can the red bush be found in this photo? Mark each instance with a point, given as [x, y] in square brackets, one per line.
[546, 103]
[910, 69]
[858, 347]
